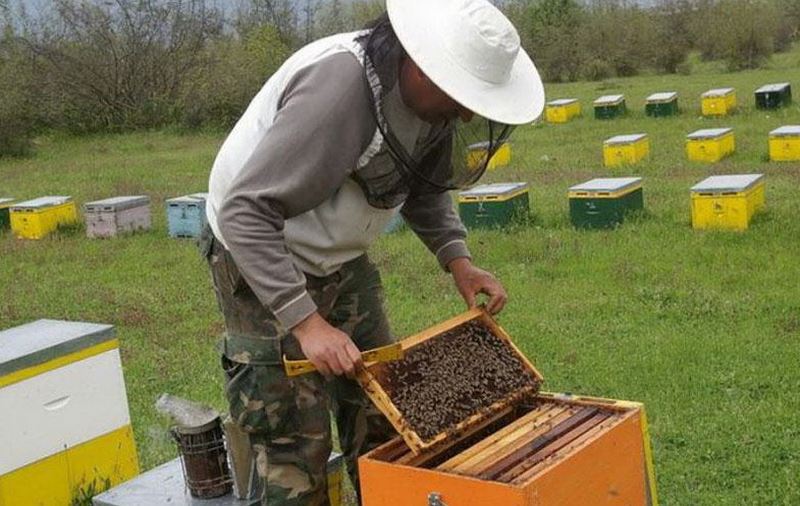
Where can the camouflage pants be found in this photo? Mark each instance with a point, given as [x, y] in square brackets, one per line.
[288, 419]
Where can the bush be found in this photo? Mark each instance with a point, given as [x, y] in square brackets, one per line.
[16, 118]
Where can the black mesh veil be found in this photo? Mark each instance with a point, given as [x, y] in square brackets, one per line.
[454, 154]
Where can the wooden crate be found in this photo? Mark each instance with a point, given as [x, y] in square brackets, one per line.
[529, 449]
[562, 110]
[625, 149]
[117, 215]
[718, 102]
[710, 144]
[186, 215]
[784, 144]
[727, 202]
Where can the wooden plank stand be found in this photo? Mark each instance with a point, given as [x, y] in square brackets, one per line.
[474, 429]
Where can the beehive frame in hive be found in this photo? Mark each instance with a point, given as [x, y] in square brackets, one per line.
[368, 378]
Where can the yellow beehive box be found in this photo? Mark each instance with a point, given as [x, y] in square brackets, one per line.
[625, 149]
[710, 144]
[784, 144]
[727, 202]
[34, 219]
[476, 154]
[70, 432]
[718, 102]
[562, 110]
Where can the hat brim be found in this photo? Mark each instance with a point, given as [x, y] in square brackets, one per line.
[518, 101]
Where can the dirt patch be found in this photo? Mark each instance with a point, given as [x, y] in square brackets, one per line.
[447, 379]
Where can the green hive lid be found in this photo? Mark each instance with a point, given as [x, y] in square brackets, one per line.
[486, 190]
[562, 101]
[709, 133]
[718, 184]
[44, 340]
[625, 139]
[718, 92]
[665, 96]
[42, 202]
[117, 203]
[609, 100]
[608, 184]
[786, 131]
[770, 88]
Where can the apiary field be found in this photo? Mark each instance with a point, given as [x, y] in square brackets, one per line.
[702, 327]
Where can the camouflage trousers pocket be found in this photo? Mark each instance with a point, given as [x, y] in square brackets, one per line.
[260, 396]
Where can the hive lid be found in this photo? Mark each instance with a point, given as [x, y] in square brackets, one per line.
[607, 185]
[452, 377]
[194, 198]
[625, 139]
[718, 92]
[6, 202]
[42, 202]
[117, 203]
[41, 341]
[709, 133]
[786, 131]
[609, 100]
[493, 189]
[664, 96]
[562, 101]
[732, 183]
[201, 195]
[771, 88]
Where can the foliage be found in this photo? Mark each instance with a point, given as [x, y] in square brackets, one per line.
[16, 97]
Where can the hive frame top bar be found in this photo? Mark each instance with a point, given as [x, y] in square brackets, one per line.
[493, 189]
[42, 202]
[709, 133]
[381, 399]
[718, 92]
[736, 182]
[625, 139]
[609, 184]
[663, 96]
[562, 101]
[769, 88]
[117, 203]
[786, 131]
[43, 340]
[609, 100]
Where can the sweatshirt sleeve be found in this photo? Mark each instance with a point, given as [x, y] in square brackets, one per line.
[321, 128]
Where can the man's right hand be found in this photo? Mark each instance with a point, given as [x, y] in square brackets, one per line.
[330, 350]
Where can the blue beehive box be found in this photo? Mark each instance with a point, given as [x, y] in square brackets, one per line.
[186, 215]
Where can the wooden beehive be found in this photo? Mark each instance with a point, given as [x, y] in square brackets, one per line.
[520, 448]
[116, 215]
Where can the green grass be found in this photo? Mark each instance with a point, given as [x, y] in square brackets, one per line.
[701, 327]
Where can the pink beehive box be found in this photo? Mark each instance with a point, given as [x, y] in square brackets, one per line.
[116, 215]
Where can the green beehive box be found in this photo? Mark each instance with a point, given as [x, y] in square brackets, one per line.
[609, 106]
[493, 205]
[773, 96]
[5, 205]
[603, 203]
[662, 104]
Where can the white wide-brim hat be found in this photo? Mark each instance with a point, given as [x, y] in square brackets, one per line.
[472, 52]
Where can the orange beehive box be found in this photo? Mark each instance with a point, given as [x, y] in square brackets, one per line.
[522, 448]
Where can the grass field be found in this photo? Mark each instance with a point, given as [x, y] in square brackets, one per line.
[701, 327]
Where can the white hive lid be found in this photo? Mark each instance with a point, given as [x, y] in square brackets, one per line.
[562, 101]
[625, 139]
[718, 92]
[608, 184]
[118, 203]
[737, 182]
[42, 202]
[200, 196]
[43, 340]
[770, 88]
[5, 202]
[609, 100]
[663, 96]
[786, 131]
[709, 133]
[485, 190]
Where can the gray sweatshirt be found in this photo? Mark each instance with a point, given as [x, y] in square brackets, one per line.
[281, 196]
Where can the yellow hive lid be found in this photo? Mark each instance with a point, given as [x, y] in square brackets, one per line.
[453, 376]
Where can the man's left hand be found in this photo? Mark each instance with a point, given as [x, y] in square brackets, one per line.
[471, 281]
